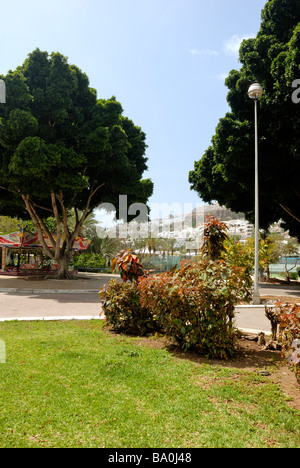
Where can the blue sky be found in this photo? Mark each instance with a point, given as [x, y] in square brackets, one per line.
[164, 60]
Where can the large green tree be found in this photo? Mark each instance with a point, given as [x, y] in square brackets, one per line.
[61, 148]
[226, 171]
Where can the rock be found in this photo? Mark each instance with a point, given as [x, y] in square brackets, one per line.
[273, 345]
[250, 337]
[261, 340]
[264, 372]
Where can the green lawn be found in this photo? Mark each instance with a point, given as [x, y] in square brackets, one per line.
[69, 384]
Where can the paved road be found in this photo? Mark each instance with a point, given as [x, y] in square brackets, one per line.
[15, 305]
[20, 299]
[252, 319]
[87, 306]
[279, 289]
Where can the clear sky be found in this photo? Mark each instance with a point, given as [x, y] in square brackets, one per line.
[164, 60]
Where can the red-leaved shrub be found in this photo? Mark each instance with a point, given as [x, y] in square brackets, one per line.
[195, 304]
[289, 334]
[123, 310]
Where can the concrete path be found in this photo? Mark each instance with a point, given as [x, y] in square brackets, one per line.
[252, 319]
[18, 306]
[24, 298]
[292, 289]
[50, 299]
[83, 282]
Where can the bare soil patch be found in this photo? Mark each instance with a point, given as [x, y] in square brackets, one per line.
[289, 299]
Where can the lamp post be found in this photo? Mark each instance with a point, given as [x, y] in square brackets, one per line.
[2, 92]
[255, 92]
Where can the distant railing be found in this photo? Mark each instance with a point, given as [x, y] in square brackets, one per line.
[94, 270]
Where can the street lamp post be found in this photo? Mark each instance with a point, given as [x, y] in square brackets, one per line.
[255, 92]
[2, 92]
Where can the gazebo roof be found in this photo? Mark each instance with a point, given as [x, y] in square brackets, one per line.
[25, 240]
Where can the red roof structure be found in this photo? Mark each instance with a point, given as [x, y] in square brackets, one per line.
[25, 240]
[18, 242]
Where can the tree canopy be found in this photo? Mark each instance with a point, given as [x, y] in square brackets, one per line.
[61, 148]
[226, 171]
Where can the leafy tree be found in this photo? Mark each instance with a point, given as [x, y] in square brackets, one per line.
[269, 251]
[106, 246]
[226, 171]
[242, 253]
[88, 227]
[61, 148]
[239, 254]
[8, 224]
[290, 249]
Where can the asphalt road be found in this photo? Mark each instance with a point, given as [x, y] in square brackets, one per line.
[279, 289]
[17, 306]
[38, 305]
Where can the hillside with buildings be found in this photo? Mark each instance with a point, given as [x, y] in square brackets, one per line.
[186, 229]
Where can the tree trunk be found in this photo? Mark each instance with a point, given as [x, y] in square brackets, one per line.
[61, 254]
[63, 266]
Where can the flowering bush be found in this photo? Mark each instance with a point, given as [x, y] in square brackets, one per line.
[289, 334]
[195, 304]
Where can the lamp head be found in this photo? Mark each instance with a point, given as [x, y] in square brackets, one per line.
[255, 91]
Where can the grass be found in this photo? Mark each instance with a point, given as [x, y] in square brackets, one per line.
[69, 384]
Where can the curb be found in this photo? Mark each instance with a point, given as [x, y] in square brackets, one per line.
[48, 291]
[48, 319]
[255, 332]
[97, 317]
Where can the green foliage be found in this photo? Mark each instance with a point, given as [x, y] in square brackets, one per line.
[89, 260]
[243, 253]
[226, 171]
[240, 254]
[105, 246]
[8, 224]
[62, 148]
[123, 309]
[195, 304]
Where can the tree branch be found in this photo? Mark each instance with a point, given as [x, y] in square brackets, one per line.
[58, 225]
[288, 211]
[38, 222]
[9, 190]
[84, 215]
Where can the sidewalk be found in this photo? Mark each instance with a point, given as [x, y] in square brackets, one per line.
[82, 283]
[31, 298]
[92, 282]
[77, 299]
